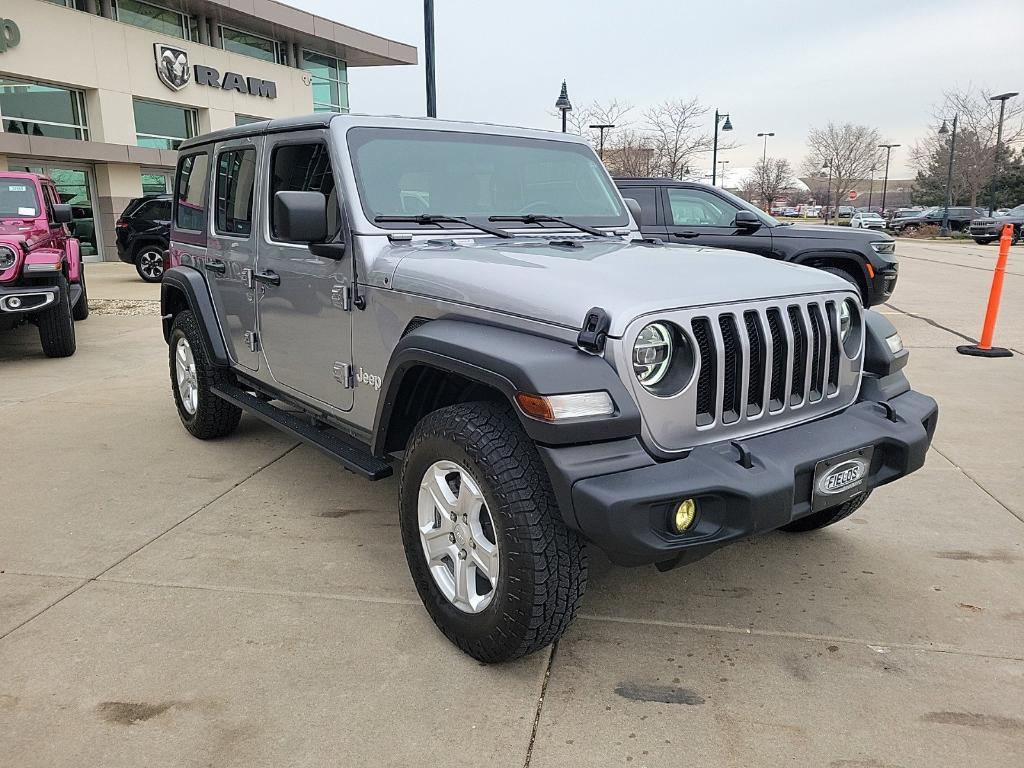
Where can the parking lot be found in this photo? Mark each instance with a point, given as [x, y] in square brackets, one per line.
[245, 602]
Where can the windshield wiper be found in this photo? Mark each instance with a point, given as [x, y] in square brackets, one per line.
[537, 218]
[438, 218]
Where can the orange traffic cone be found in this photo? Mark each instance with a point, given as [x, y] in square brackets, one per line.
[984, 347]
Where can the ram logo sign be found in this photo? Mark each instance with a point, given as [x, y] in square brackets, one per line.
[172, 66]
[173, 69]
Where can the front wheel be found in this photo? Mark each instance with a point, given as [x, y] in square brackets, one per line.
[848, 277]
[149, 263]
[984, 240]
[57, 325]
[497, 570]
[193, 376]
[826, 517]
[81, 309]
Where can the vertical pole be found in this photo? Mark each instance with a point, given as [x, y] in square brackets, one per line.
[428, 55]
[600, 151]
[871, 188]
[995, 161]
[828, 191]
[885, 181]
[949, 180]
[764, 152]
[714, 153]
[564, 111]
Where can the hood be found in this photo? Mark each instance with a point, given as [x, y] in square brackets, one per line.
[13, 231]
[822, 232]
[532, 278]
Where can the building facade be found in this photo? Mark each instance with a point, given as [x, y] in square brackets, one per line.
[98, 94]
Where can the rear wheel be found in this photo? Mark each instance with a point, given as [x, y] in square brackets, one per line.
[202, 413]
[56, 324]
[149, 263]
[497, 570]
[829, 516]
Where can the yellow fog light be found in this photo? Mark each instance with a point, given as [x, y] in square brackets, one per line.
[684, 515]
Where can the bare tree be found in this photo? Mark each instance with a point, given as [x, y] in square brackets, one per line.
[978, 120]
[676, 135]
[632, 154]
[770, 177]
[851, 151]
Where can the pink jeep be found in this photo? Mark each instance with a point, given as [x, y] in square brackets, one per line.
[42, 279]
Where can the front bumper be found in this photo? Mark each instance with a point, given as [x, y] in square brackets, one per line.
[882, 285]
[18, 299]
[621, 500]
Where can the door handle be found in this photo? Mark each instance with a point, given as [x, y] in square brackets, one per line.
[216, 265]
[270, 277]
[686, 235]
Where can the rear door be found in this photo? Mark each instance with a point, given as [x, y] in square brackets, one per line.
[701, 217]
[231, 252]
[305, 309]
[651, 223]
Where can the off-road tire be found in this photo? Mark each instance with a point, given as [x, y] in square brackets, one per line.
[57, 325]
[214, 417]
[848, 277]
[543, 564]
[144, 249]
[825, 517]
[81, 310]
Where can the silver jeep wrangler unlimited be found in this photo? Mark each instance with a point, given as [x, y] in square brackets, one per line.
[475, 304]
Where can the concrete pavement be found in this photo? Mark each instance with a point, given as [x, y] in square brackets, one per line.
[169, 602]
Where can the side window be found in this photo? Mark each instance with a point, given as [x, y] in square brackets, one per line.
[303, 168]
[695, 207]
[648, 199]
[161, 210]
[190, 192]
[236, 174]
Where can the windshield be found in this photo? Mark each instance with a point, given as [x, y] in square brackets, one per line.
[18, 199]
[410, 172]
[1018, 211]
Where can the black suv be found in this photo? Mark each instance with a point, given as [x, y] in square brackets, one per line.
[988, 229]
[960, 218]
[143, 234]
[689, 212]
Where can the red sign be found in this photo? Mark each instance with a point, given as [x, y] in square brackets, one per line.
[853, 194]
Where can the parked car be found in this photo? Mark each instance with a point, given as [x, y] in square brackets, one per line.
[867, 220]
[844, 211]
[691, 212]
[143, 233]
[42, 278]
[960, 218]
[988, 229]
[545, 378]
[791, 213]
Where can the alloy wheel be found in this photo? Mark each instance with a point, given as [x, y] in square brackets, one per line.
[458, 536]
[151, 264]
[185, 374]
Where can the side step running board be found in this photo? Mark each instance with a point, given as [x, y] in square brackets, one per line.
[350, 455]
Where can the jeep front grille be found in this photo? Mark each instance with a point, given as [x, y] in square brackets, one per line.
[758, 367]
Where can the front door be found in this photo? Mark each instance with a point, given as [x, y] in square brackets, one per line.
[231, 249]
[701, 217]
[305, 306]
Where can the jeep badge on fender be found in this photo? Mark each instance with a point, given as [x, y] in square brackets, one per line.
[474, 306]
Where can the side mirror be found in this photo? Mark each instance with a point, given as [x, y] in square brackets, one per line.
[300, 216]
[747, 220]
[634, 210]
[62, 213]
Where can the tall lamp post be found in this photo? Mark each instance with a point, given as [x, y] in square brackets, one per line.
[722, 163]
[563, 104]
[764, 152]
[885, 181]
[602, 127]
[428, 55]
[1001, 98]
[827, 166]
[871, 187]
[726, 126]
[944, 230]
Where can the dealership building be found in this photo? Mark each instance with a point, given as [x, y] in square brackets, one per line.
[98, 94]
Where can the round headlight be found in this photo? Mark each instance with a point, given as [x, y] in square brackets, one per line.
[652, 354]
[846, 314]
[7, 258]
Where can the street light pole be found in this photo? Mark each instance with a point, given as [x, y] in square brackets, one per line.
[885, 181]
[827, 165]
[1001, 98]
[602, 127]
[871, 187]
[428, 55]
[563, 104]
[764, 152]
[723, 164]
[944, 230]
[726, 126]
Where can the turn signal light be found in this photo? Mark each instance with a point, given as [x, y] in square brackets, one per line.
[684, 515]
[562, 407]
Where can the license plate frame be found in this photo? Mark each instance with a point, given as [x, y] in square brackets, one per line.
[839, 478]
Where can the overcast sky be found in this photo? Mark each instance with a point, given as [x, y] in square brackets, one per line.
[784, 67]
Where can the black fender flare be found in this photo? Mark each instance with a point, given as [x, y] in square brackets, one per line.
[185, 285]
[837, 254]
[511, 361]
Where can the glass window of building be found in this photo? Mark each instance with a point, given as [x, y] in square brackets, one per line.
[247, 119]
[248, 44]
[155, 18]
[155, 182]
[79, 5]
[329, 81]
[42, 110]
[163, 126]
